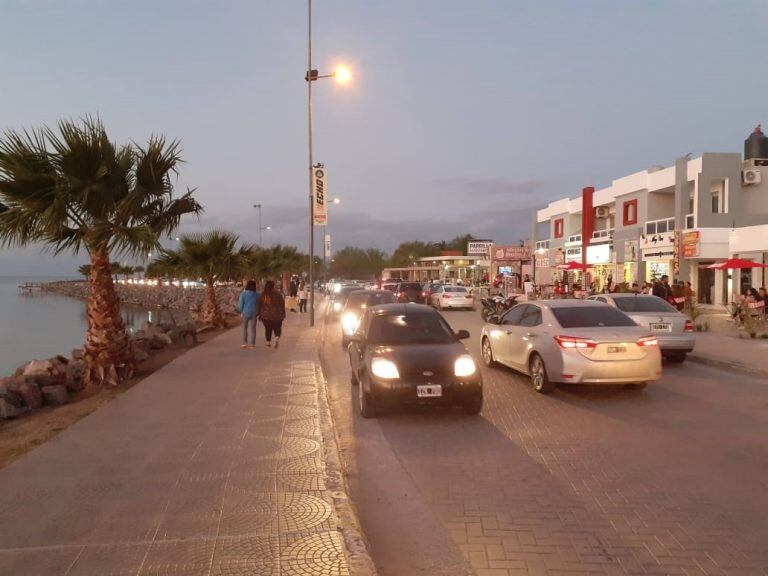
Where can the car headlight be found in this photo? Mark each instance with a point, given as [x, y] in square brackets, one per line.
[383, 368]
[349, 323]
[336, 288]
[464, 366]
[337, 306]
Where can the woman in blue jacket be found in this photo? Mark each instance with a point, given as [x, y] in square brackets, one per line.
[247, 305]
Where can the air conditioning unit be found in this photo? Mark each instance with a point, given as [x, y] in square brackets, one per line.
[602, 212]
[750, 176]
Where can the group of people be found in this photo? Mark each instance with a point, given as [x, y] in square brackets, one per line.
[268, 306]
[752, 303]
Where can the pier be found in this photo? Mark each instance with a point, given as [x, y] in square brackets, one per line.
[30, 287]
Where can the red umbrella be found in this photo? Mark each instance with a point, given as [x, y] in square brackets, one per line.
[572, 266]
[735, 264]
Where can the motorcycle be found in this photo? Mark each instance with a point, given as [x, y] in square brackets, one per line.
[496, 306]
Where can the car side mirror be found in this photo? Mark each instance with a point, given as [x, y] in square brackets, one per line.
[462, 334]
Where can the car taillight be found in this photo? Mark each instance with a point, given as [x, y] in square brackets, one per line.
[571, 342]
[648, 341]
[688, 326]
[423, 294]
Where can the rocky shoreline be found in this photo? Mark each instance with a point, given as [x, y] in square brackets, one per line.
[58, 380]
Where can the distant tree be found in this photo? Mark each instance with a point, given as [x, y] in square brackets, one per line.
[406, 252]
[351, 262]
[277, 260]
[74, 189]
[460, 243]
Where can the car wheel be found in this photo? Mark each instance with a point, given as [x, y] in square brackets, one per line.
[636, 385]
[488, 353]
[676, 357]
[367, 407]
[474, 405]
[539, 378]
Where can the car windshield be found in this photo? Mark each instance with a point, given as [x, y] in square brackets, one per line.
[640, 304]
[591, 317]
[455, 289]
[357, 301]
[409, 329]
[410, 287]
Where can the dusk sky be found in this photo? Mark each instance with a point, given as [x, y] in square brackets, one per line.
[463, 115]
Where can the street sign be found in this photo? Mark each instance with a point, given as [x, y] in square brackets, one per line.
[327, 246]
[319, 195]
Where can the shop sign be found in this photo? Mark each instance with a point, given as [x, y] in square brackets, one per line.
[599, 254]
[319, 194]
[666, 239]
[691, 243]
[542, 260]
[630, 250]
[479, 248]
[511, 253]
[573, 255]
[559, 257]
[676, 255]
[662, 254]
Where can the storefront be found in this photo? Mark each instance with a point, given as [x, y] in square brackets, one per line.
[658, 252]
[511, 262]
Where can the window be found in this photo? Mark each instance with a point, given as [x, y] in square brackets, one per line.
[420, 328]
[513, 317]
[591, 317]
[644, 304]
[559, 228]
[719, 190]
[532, 317]
[630, 212]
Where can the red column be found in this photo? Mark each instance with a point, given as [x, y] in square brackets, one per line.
[587, 225]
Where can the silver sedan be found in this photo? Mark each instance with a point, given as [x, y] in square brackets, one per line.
[572, 341]
[673, 329]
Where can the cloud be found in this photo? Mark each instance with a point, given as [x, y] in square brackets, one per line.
[490, 186]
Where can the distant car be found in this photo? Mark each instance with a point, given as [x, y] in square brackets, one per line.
[388, 285]
[572, 341]
[409, 292]
[429, 288]
[452, 297]
[408, 354]
[672, 328]
[339, 297]
[357, 302]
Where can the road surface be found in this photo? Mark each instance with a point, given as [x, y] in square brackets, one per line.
[589, 480]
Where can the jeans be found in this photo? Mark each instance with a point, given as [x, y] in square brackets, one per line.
[303, 305]
[271, 326]
[249, 320]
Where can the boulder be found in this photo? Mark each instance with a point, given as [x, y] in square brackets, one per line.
[165, 338]
[139, 355]
[29, 392]
[37, 367]
[55, 395]
[73, 379]
[9, 395]
[78, 354]
[8, 410]
[142, 344]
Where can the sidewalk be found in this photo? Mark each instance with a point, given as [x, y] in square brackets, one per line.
[215, 464]
[726, 350]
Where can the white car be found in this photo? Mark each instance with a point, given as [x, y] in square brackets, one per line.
[573, 342]
[452, 297]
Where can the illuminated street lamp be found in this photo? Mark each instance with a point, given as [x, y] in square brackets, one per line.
[343, 75]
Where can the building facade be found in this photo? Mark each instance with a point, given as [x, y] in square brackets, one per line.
[668, 221]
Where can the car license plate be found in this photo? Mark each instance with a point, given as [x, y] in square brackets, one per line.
[661, 327]
[616, 349]
[429, 391]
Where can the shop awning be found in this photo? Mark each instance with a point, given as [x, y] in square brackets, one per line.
[735, 264]
[572, 266]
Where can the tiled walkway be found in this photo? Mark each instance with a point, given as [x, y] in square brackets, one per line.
[212, 465]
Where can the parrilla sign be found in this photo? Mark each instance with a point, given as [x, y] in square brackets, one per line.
[319, 194]
[479, 247]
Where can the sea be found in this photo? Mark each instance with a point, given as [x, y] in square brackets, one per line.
[40, 325]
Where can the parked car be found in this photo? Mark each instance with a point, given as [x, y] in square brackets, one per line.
[409, 292]
[572, 341]
[429, 288]
[408, 354]
[357, 302]
[452, 297]
[672, 328]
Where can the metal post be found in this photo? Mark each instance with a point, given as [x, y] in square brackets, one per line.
[325, 234]
[260, 227]
[311, 199]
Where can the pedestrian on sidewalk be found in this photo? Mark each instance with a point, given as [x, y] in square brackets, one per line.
[272, 313]
[662, 289]
[248, 305]
[303, 296]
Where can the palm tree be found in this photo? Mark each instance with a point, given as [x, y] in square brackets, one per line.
[273, 262]
[75, 190]
[212, 256]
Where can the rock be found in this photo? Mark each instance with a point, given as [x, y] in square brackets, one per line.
[61, 359]
[29, 392]
[142, 344]
[38, 367]
[8, 410]
[55, 395]
[139, 355]
[78, 354]
[73, 379]
[9, 395]
[165, 338]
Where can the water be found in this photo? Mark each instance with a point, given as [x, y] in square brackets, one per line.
[43, 325]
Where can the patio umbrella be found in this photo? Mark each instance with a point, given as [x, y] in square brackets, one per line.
[572, 266]
[735, 264]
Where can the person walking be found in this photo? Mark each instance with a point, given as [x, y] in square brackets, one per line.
[248, 304]
[271, 310]
[662, 288]
[303, 297]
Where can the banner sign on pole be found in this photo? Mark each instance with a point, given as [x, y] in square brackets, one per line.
[319, 194]
[327, 245]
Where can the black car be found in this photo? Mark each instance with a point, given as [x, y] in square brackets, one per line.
[356, 304]
[340, 298]
[408, 354]
[410, 292]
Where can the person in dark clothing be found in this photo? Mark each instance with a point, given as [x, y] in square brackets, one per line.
[662, 289]
[272, 313]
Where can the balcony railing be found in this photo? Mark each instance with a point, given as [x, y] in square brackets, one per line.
[690, 221]
[602, 234]
[660, 226]
[542, 245]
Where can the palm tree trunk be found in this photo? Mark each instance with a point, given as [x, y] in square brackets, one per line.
[107, 347]
[211, 311]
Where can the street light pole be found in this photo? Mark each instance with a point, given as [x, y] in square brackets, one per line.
[258, 207]
[311, 195]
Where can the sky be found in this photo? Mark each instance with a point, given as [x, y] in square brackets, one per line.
[462, 116]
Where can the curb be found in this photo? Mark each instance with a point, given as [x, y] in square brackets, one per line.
[728, 365]
[355, 545]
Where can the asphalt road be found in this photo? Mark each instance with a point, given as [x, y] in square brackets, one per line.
[589, 480]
